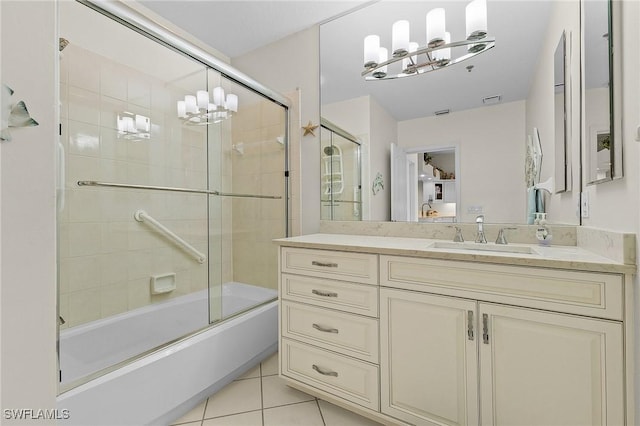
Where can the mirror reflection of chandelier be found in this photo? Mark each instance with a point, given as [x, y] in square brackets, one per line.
[198, 110]
[133, 127]
[436, 54]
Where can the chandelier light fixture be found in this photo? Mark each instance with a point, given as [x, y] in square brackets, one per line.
[199, 110]
[436, 54]
[133, 127]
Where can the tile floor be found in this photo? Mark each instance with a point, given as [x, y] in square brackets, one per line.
[260, 398]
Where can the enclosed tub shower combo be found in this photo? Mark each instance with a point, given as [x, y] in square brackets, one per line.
[172, 184]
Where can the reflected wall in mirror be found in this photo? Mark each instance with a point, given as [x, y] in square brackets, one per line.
[560, 114]
[601, 94]
[485, 106]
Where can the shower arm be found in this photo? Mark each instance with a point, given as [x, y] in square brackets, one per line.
[173, 189]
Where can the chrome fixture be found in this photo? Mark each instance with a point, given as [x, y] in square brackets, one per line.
[458, 238]
[422, 207]
[198, 110]
[501, 237]
[133, 126]
[61, 320]
[480, 237]
[438, 50]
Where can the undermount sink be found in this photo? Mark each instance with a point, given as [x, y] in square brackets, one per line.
[471, 246]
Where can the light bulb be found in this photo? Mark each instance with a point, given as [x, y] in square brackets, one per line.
[218, 96]
[400, 38]
[203, 99]
[435, 27]
[371, 50]
[476, 18]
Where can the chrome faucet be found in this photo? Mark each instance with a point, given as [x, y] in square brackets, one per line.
[422, 208]
[501, 238]
[458, 237]
[480, 237]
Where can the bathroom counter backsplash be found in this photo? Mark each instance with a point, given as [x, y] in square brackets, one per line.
[563, 257]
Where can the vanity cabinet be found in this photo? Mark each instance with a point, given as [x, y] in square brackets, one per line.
[329, 323]
[544, 367]
[423, 341]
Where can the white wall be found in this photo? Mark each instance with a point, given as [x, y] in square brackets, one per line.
[27, 210]
[292, 65]
[488, 177]
[384, 131]
[565, 15]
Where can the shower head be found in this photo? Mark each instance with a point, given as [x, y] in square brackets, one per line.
[63, 43]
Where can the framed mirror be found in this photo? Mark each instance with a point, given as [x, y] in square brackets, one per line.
[601, 91]
[486, 105]
[560, 113]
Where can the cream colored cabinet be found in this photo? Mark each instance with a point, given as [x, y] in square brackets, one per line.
[421, 341]
[543, 368]
[429, 358]
[533, 367]
[329, 331]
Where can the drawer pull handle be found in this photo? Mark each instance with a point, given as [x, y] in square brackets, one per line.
[323, 372]
[470, 333]
[324, 293]
[324, 264]
[325, 330]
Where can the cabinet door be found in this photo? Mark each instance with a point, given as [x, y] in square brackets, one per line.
[429, 370]
[449, 192]
[541, 368]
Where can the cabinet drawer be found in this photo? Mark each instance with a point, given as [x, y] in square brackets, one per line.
[582, 293]
[345, 377]
[355, 298]
[348, 334]
[356, 267]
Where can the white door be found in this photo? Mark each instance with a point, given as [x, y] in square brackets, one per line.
[541, 368]
[400, 199]
[429, 361]
[412, 187]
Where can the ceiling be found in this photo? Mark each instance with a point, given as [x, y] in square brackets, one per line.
[238, 27]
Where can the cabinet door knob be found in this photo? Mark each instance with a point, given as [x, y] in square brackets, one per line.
[324, 372]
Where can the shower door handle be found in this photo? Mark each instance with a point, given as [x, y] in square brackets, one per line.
[324, 329]
[324, 372]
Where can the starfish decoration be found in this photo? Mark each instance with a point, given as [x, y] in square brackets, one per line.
[309, 129]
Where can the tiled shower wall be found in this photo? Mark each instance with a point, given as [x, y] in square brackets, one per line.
[106, 257]
[259, 169]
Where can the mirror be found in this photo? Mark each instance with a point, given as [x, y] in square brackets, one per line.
[601, 94]
[560, 114]
[485, 106]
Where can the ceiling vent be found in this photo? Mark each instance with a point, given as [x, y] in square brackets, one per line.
[442, 112]
[492, 100]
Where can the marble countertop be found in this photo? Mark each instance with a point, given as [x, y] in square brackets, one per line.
[560, 257]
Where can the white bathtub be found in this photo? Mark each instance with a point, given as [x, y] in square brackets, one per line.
[158, 388]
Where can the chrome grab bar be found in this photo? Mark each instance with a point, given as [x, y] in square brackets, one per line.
[174, 189]
[142, 216]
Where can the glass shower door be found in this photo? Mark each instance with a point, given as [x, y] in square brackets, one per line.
[341, 196]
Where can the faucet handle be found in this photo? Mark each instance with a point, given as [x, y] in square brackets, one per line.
[501, 237]
[458, 237]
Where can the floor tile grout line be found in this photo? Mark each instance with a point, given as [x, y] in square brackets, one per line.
[288, 404]
[232, 414]
[261, 396]
[320, 410]
[204, 412]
